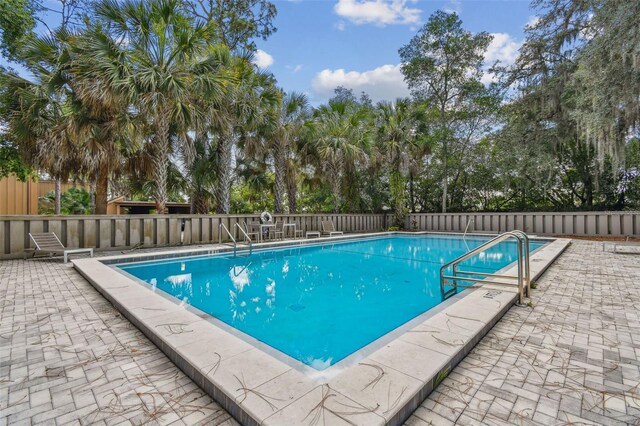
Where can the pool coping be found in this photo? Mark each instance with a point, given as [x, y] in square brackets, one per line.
[257, 388]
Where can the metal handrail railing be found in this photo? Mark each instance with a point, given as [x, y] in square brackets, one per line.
[522, 280]
[466, 229]
[527, 262]
[220, 228]
[246, 237]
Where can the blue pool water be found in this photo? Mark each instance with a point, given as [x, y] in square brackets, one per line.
[321, 303]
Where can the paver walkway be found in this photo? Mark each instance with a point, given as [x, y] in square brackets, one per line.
[67, 356]
[572, 359]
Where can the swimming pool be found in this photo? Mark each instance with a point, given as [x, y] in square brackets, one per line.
[319, 304]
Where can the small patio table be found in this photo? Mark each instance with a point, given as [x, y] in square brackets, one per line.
[267, 227]
[291, 226]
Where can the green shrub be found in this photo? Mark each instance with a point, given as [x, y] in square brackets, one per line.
[73, 201]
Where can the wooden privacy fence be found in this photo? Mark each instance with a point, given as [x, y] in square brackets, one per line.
[583, 223]
[18, 197]
[119, 232]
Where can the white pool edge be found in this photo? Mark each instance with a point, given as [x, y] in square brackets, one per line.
[386, 386]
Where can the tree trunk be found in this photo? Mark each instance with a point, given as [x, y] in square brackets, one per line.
[199, 202]
[58, 192]
[279, 165]
[292, 189]
[92, 196]
[397, 192]
[336, 186]
[223, 189]
[352, 191]
[336, 196]
[161, 162]
[333, 172]
[102, 187]
[412, 198]
[445, 179]
[588, 188]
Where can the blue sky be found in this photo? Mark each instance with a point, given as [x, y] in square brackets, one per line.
[324, 43]
[321, 44]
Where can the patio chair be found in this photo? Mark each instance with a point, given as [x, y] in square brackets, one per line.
[328, 228]
[49, 243]
[297, 230]
[252, 230]
[279, 230]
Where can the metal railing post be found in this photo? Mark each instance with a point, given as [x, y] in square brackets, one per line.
[220, 228]
[246, 237]
[520, 267]
[523, 278]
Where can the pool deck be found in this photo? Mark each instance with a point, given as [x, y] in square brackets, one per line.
[66, 355]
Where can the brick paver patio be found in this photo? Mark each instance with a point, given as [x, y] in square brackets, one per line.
[68, 357]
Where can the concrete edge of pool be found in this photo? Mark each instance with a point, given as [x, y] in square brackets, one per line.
[257, 388]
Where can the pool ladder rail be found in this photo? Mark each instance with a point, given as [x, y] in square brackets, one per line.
[234, 242]
[522, 279]
[466, 229]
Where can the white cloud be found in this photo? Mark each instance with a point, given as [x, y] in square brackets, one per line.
[488, 78]
[378, 12]
[503, 48]
[383, 83]
[340, 25]
[454, 6]
[294, 68]
[533, 20]
[262, 59]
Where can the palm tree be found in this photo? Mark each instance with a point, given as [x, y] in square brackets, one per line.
[90, 119]
[155, 54]
[198, 157]
[100, 120]
[39, 111]
[294, 166]
[342, 138]
[245, 109]
[291, 115]
[402, 145]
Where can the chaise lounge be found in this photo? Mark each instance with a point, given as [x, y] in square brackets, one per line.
[329, 229]
[49, 243]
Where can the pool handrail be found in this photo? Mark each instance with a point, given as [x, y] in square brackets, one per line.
[222, 227]
[466, 229]
[523, 280]
[246, 237]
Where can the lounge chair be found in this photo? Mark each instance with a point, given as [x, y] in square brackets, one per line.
[49, 243]
[633, 247]
[328, 228]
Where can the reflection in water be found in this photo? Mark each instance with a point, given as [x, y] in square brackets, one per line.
[330, 300]
[495, 256]
[239, 276]
[319, 364]
[178, 280]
